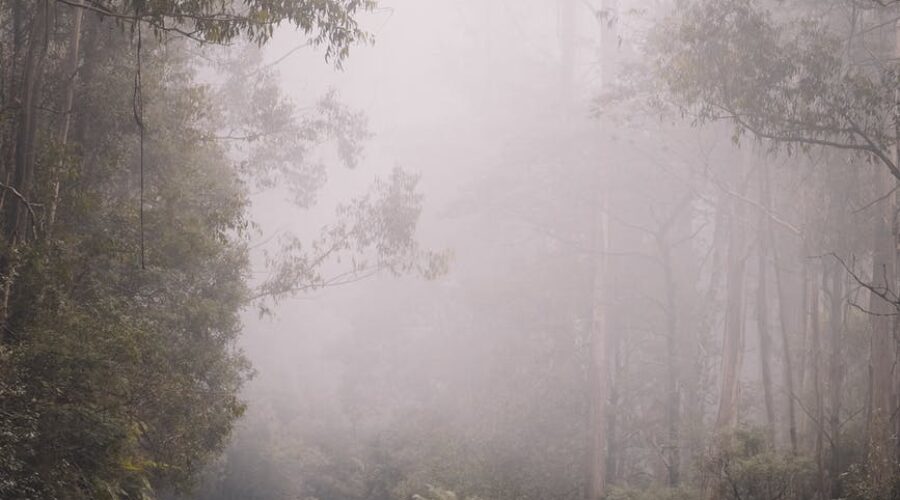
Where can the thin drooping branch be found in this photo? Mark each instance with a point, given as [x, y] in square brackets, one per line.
[884, 293]
[132, 19]
[869, 147]
[28, 204]
[340, 279]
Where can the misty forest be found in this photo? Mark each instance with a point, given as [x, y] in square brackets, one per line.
[449, 249]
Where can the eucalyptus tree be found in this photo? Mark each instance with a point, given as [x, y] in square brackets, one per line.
[806, 79]
[124, 254]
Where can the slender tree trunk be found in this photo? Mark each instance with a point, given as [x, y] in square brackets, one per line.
[74, 51]
[703, 371]
[783, 308]
[787, 357]
[19, 213]
[18, 218]
[819, 410]
[893, 453]
[881, 344]
[612, 445]
[733, 335]
[599, 381]
[12, 57]
[882, 448]
[599, 320]
[762, 325]
[673, 386]
[835, 369]
[732, 346]
[805, 352]
[90, 44]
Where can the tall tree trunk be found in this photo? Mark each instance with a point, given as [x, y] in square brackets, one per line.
[673, 386]
[819, 410]
[613, 441]
[784, 308]
[74, 51]
[19, 216]
[805, 353]
[732, 346]
[882, 449]
[599, 318]
[17, 190]
[893, 455]
[12, 58]
[881, 343]
[762, 325]
[835, 369]
[733, 335]
[599, 381]
[787, 355]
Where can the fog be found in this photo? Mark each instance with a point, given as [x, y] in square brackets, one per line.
[450, 249]
[577, 209]
[490, 103]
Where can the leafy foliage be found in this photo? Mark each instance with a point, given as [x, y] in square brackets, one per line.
[331, 23]
[436, 493]
[787, 82]
[120, 373]
[746, 468]
[127, 378]
[381, 229]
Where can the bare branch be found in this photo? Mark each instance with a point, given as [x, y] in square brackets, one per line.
[29, 205]
[884, 293]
